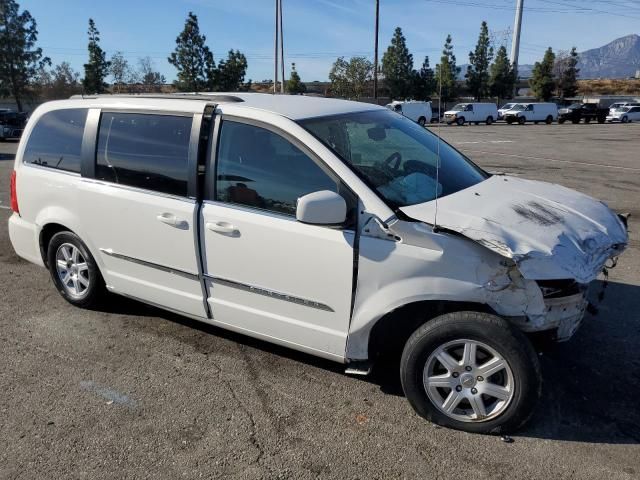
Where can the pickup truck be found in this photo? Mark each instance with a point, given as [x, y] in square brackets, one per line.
[583, 111]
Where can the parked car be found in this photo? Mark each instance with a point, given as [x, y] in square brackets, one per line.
[11, 124]
[505, 108]
[472, 113]
[532, 112]
[311, 223]
[583, 111]
[624, 114]
[419, 112]
[617, 105]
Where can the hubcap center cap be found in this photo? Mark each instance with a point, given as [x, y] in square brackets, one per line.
[467, 380]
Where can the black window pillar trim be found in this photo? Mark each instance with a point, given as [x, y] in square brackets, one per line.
[89, 143]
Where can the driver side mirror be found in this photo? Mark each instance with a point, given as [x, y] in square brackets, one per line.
[321, 208]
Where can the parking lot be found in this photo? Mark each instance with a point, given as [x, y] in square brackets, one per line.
[132, 391]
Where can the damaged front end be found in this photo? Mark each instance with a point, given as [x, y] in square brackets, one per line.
[554, 242]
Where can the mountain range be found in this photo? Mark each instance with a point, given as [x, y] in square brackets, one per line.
[617, 59]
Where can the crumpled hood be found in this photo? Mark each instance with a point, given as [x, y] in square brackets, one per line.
[551, 232]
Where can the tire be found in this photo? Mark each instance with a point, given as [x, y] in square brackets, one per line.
[548, 120]
[521, 120]
[422, 121]
[561, 121]
[518, 381]
[624, 119]
[489, 120]
[575, 121]
[85, 287]
[449, 123]
[535, 122]
[460, 121]
[602, 120]
[587, 120]
[509, 120]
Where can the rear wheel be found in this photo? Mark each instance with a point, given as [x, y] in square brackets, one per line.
[575, 121]
[489, 120]
[549, 120]
[587, 120]
[460, 121]
[471, 371]
[521, 120]
[74, 271]
[561, 121]
[624, 119]
[422, 121]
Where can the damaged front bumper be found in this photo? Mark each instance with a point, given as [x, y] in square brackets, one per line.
[563, 315]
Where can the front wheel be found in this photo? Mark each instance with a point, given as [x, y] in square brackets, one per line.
[521, 120]
[549, 120]
[489, 120]
[561, 121]
[624, 119]
[460, 121]
[422, 121]
[471, 371]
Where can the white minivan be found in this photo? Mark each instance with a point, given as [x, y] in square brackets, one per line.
[532, 112]
[311, 223]
[472, 113]
[419, 112]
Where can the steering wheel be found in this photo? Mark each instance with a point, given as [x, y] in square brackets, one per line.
[394, 157]
[416, 166]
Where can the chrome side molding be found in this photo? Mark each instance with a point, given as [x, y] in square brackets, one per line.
[175, 271]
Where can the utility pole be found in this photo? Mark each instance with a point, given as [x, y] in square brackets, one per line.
[375, 55]
[275, 72]
[515, 43]
[281, 46]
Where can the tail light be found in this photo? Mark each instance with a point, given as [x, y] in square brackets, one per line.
[14, 194]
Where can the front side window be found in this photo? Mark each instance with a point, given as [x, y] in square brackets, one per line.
[259, 168]
[56, 140]
[144, 151]
[397, 156]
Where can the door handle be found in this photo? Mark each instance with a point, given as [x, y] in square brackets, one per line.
[222, 227]
[170, 219]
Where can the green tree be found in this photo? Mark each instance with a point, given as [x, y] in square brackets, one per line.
[294, 84]
[479, 61]
[350, 79]
[542, 80]
[503, 77]
[397, 67]
[97, 68]
[424, 81]
[20, 60]
[229, 76]
[447, 73]
[568, 76]
[192, 58]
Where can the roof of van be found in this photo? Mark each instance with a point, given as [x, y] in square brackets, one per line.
[295, 107]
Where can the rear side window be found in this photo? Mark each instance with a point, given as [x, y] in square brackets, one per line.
[56, 140]
[144, 151]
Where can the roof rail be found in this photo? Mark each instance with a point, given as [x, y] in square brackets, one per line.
[182, 96]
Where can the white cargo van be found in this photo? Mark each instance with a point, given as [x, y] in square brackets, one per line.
[311, 223]
[532, 112]
[472, 113]
[419, 112]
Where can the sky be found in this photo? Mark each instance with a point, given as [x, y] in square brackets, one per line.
[316, 32]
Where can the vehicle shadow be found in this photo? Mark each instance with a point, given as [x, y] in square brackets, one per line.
[591, 383]
[7, 156]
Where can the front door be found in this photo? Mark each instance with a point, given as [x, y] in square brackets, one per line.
[136, 207]
[269, 275]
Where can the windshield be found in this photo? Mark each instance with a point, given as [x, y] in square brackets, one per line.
[396, 156]
[459, 107]
[623, 109]
[519, 108]
[508, 106]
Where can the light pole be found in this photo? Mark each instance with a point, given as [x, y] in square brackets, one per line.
[515, 44]
[375, 55]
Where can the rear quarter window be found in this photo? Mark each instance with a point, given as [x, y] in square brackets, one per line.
[56, 140]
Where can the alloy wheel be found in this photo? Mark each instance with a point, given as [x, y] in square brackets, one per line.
[468, 381]
[72, 270]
